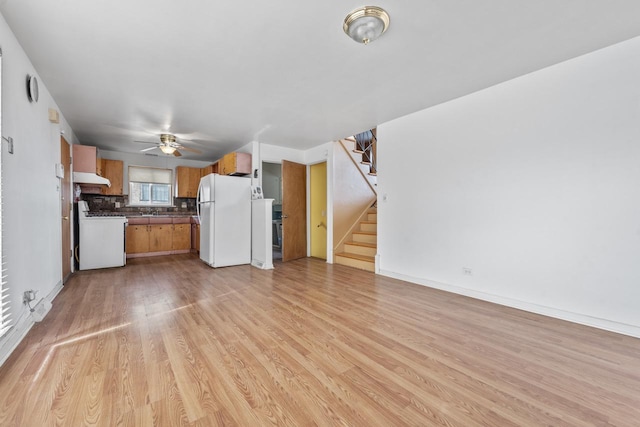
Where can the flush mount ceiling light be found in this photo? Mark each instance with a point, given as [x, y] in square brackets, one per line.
[366, 24]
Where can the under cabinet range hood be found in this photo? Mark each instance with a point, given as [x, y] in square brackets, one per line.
[90, 178]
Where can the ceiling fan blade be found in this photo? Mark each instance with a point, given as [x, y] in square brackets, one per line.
[192, 150]
[146, 142]
[148, 149]
[177, 153]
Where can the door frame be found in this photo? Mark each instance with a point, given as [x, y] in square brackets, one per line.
[66, 197]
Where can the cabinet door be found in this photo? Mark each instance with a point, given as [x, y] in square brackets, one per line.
[243, 164]
[187, 181]
[160, 237]
[227, 163]
[137, 239]
[206, 170]
[198, 238]
[236, 164]
[182, 181]
[194, 181]
[181, 237]
[113, 171]
[84, 158]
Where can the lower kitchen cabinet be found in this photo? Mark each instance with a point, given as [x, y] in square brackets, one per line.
[157, 239]
[195, 237]
[137, 239]
[181, 237]
[160, 237]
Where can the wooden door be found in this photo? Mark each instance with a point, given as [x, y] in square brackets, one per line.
[294, 211]
[318, 210]
[65, 207]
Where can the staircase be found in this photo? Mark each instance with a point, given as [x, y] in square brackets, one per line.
[360, 251]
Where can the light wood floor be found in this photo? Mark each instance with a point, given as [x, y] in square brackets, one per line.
[168, 341]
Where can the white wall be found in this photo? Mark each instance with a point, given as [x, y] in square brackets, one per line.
[31, 197]
[534, 184]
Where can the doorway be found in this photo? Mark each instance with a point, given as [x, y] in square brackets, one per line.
[272, 189]
[318, 210]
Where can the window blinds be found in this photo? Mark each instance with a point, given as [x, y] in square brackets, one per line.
[5, 319]
[153, 175]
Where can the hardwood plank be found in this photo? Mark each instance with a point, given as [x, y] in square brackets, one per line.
[170, 341]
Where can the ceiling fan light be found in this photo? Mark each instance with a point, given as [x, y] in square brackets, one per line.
[366, 24]
[167, 149]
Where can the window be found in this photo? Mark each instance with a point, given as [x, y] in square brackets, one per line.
[149, 186]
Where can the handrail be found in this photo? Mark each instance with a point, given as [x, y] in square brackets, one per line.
[365, 142]
[357, 166]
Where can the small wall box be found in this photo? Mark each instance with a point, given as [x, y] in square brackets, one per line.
[59, 170]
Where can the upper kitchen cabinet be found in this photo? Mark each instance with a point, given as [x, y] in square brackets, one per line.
[187, 181]
[84, 158]
[212, 168]
[235, 164]
[113, 171]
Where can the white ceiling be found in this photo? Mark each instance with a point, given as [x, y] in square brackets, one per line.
[282, 72]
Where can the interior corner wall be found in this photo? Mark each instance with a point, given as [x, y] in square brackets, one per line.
[31, 190]
[533, 185]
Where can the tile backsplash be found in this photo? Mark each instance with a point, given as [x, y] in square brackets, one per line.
[98, 203]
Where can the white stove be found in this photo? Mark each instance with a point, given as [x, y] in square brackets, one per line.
[102, 239]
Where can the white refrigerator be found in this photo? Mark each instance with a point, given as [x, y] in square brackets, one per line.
[224, 210]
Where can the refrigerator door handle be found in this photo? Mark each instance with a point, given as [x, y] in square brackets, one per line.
[198, 200]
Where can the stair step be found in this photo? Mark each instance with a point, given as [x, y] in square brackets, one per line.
[361, 248]
[362, 262]
[373, 173]
[366, 163]
[358, 151]
[371, 226]
[365, 236]
[372, 217]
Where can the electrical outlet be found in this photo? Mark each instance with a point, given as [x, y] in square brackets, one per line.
[28, 296]
[467, 271]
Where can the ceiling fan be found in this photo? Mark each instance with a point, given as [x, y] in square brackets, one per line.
[169, 145]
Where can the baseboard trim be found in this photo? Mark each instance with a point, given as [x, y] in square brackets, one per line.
[582, 319]
[23, 325]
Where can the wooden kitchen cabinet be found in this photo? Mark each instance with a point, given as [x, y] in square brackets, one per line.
[195, 237]
[160, 237]
[99, 164]
[212, 168]
[187, 181]
[137, 239]
[84, 158]
[181, 237]
[235, 164]
[150, 236]
[112, 170]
